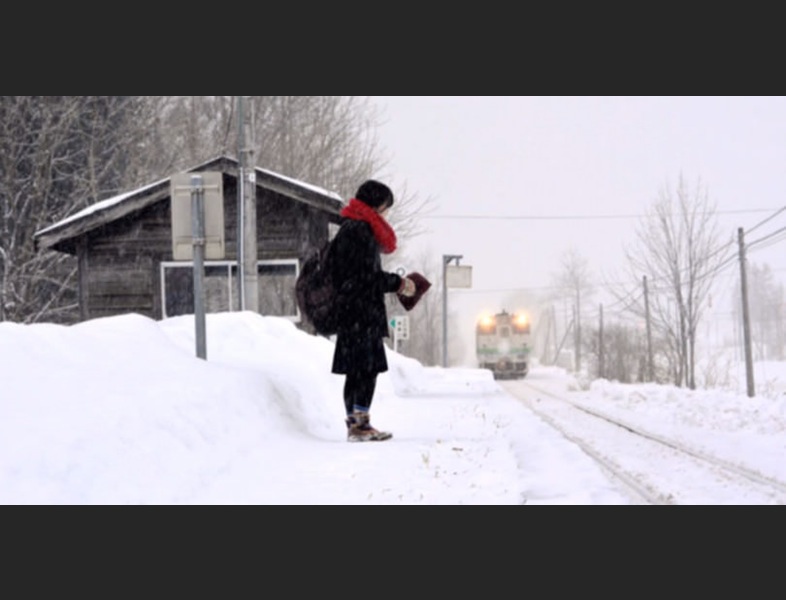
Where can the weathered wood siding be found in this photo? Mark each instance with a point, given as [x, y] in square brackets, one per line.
[122, 262]
[120, 265]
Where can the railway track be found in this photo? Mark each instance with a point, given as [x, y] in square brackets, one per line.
[648, 468]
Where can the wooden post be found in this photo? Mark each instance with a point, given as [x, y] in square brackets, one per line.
[746, 318]
[650, 355]
[601, 349]
[577, 320]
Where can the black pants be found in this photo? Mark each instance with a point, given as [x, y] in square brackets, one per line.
[359, 391]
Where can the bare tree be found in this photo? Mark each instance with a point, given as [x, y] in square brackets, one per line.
[682, 252]
[766, 298]
[624, 349]
[58, 154]
[573, 283]
[328, 141]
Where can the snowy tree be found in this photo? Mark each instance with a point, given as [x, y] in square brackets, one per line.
[766, 297]
[58, 154]
[573, 285]
[681, 251]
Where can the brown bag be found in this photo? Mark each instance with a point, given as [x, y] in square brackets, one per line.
[422, 285]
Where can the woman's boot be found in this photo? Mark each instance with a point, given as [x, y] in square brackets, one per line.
[360, 429]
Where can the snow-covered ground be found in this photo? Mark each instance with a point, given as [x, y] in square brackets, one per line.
[120, 411]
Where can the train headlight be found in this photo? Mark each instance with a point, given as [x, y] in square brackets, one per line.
[487, 323]
[521, 323]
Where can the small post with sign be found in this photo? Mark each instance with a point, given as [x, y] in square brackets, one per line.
[400, 327]
[198, 234]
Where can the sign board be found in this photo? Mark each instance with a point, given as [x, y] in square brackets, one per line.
[182, 217]
[400, 327]
[459, 277]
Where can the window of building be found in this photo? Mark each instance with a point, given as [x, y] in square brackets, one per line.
[222, 294]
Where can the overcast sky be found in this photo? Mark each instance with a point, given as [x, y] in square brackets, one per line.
[549, 173]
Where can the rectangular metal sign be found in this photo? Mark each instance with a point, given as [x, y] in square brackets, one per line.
[459, 277]
[182, 224]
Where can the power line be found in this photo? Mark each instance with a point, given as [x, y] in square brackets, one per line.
[581, 217]
[730, 260]
[726, 264]
[770, 243]
[628, 299]
[765, 221]
[768, 237]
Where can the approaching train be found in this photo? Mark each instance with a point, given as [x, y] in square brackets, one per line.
[503, 344]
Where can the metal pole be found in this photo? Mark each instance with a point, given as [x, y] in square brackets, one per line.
[198, 231]
[446, 260]
[746, 318]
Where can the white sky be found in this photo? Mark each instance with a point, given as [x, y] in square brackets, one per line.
[120, 411]
[547, 173]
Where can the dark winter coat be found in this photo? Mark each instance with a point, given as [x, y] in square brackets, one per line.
[356, 267]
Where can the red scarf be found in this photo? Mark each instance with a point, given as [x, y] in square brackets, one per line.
[360, 211]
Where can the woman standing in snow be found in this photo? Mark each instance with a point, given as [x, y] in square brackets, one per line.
[360, 303]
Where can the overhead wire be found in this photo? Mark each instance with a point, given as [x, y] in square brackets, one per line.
[780, 231]
[733, 258]
[606, 217]
[765, 221]
[628, 301]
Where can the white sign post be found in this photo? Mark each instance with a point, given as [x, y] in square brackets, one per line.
[197, 206]
[400, 327]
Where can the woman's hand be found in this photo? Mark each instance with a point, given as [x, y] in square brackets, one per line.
[408, 288]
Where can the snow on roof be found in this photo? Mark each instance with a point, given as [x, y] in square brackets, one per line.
[302, 184]
[100, 206]
[114, 201]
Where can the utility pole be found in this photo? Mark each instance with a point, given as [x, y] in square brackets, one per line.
[578, 329]
[577, 339]
[556, 333]
[248, 253]
[601, 348]
[650, 356]
[746, 317]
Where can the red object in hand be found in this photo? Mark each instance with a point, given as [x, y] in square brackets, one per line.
[422, 285]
